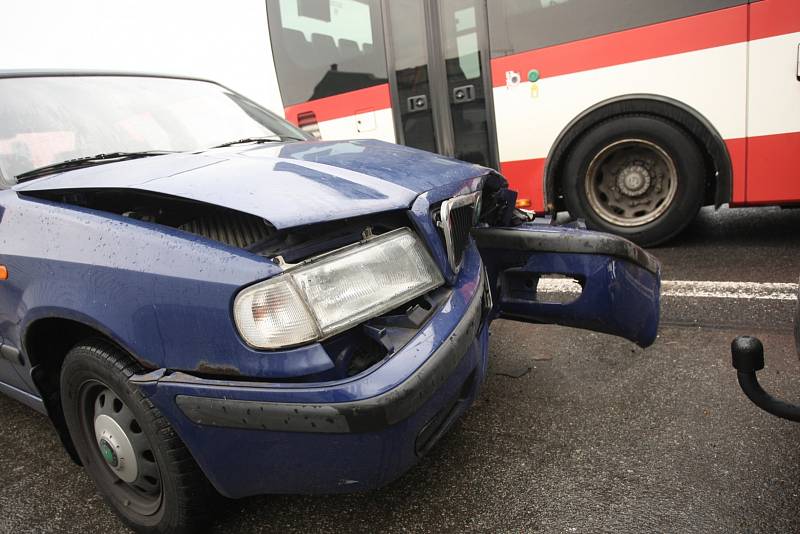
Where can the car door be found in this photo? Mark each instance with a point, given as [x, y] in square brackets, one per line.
[11, 360]
[615, 284]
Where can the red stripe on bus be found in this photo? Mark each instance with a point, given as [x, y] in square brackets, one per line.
[525, 177]
[707, 30]
[737, 150]
[344, 105]
[773, 163]
[765, 171]
[774, 17]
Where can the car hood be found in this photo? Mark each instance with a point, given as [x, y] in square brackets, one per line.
[288, 184]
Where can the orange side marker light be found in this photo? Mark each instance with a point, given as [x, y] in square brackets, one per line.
[3, 272]
[523, 203]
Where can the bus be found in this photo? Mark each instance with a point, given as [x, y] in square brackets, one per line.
[629, 114]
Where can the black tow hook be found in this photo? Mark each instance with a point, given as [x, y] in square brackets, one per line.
[748, 357]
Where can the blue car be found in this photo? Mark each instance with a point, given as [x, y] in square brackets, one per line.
[205, 301]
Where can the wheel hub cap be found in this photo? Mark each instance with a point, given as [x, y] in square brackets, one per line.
[634, 180]
[116, 447]
[108, 453]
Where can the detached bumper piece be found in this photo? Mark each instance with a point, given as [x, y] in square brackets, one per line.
[748, 357]
[619, 282]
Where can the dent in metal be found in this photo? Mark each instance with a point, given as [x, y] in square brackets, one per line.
[210, 368]
[533, 237]
[329, 180]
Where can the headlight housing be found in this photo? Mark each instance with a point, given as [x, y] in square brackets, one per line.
[333, 292]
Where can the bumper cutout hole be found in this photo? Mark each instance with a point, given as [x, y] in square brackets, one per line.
[545, 288]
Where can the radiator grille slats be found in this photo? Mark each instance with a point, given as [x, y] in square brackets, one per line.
[234, 229]
[457, 217]
[461, 222]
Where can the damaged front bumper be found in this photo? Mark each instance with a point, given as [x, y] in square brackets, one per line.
[255, 437]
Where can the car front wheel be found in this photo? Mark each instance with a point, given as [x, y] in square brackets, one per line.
[138, 463]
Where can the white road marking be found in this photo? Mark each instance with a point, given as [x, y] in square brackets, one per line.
[695, 289]
[730, 290]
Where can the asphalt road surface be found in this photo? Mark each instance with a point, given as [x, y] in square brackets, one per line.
[572, 432]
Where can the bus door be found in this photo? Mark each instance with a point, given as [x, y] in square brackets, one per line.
[773, 103]
[438, 67]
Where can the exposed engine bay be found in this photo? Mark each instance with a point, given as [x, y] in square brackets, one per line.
[227, 226]
[257, 235]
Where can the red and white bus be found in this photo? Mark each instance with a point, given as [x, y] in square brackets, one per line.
[630, 114]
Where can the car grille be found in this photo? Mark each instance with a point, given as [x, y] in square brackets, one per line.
[457, 217]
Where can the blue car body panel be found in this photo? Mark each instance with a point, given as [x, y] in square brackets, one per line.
[67, 260]
[340, 461]
[165, 296]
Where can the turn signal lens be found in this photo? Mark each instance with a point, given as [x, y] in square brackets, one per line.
[523, 203]
[274, 316]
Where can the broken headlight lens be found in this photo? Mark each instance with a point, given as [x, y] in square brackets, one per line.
[336, 291]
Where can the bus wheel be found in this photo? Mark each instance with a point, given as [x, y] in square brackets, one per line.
[638, 176]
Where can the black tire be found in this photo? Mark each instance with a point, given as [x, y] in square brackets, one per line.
[679, 157]
[178, 501]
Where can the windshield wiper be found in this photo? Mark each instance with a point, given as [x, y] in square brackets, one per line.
[87, 161]
[269, 139]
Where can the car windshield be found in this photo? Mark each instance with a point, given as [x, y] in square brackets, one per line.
[47, 120]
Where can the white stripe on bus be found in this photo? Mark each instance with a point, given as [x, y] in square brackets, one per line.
[773, 89]
[377, 124]
[713, 81]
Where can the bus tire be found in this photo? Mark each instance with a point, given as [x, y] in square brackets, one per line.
[638, 176]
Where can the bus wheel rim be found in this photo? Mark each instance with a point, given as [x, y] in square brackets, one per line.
[631, 182]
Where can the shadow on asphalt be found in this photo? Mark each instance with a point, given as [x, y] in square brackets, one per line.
[738, 245]
[741, 227]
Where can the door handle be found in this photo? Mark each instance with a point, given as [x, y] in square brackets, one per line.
[463, 93]
[417, 103]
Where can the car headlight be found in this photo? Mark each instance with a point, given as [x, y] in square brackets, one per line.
[333, 292]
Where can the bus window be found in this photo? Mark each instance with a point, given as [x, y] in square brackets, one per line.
[326, 47]
[520, 25]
